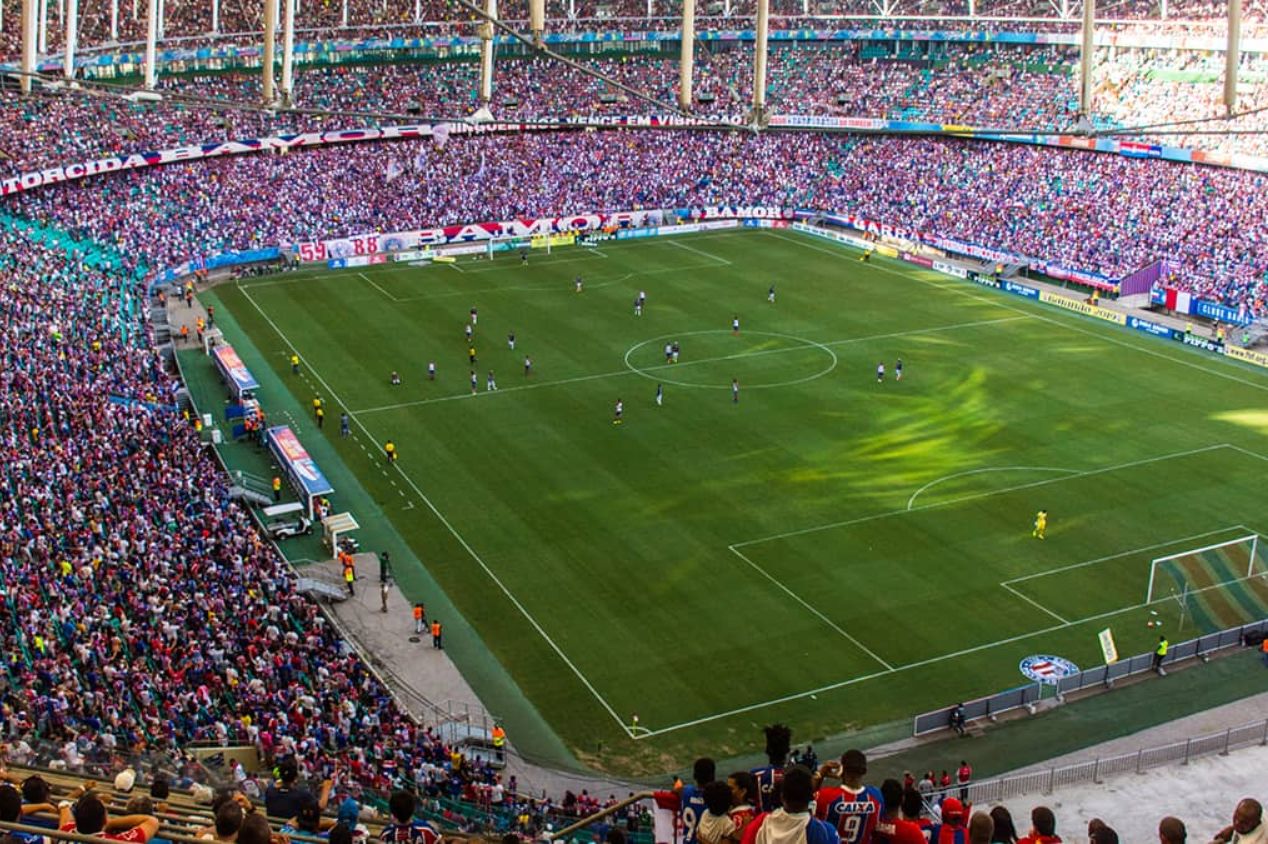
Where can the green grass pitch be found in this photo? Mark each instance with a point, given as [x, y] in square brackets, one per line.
[828, 551]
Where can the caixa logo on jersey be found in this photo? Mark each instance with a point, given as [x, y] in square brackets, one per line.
[1046, 669]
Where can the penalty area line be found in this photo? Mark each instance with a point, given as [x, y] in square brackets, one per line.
[451, 529]
[764, 573]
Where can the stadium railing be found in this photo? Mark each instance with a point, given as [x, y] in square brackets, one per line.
[1103, 675]
[1094, 771]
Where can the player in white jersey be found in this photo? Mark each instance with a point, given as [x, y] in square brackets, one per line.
[617, 411]
[490, 383]
[880, 372]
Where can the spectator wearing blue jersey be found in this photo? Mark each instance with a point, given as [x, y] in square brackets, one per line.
[778, 743]
[793, 822]
[11, 811]
[405, 828]
[688, 800]
[953, 829]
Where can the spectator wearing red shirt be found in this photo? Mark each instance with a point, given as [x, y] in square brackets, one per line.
[1043, 827]
[89, 817]
[963, 776]
[891, 828]
[954, 827]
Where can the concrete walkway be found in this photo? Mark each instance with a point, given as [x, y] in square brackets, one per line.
[1216, 720]
[426, 681]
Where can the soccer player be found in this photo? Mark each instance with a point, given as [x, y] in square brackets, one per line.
[474, 316]
[345, 428]
[491, 384]
[898, 370]
[617, 411]
[510, 341]
[577, 284]
[673, 352]
[469, 330]
[642, 299]
[880, 372]
[669, 353]
[471, 355]
[389, 451]
[852, 807]
[431, 370]
[660, 395]
[395, 378]
[770, 294]
[321, 417]
[528, 366]
[1041, 524]
[735, 325]
[294, 364]
[523, 256]
[638, 306]
[735, 391]
[474, 382]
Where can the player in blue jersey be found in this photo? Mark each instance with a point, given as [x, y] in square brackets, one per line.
[688, 800]
[778, 742]
[852, 807]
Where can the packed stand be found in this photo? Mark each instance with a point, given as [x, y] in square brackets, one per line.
[1211, 223]
[1020, 88]
[794, 800]
[189, 23]
[118, 536]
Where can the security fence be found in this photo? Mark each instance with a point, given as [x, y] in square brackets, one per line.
[1096, 770]
[1103, 675]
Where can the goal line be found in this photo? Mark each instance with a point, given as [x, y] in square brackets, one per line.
[1203, 568]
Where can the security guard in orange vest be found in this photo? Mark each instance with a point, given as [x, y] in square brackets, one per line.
[499, 740]
[277, 482]
[435, 636]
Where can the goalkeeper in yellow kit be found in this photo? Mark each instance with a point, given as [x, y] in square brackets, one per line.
[1041, 524]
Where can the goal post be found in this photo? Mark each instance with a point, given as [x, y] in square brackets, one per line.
[1209, 567]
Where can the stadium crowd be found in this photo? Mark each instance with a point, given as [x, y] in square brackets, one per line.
[118, 536]
[1100, 213]
[107, 24]
[1017, 88]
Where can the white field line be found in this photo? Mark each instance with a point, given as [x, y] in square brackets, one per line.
[452, 531]
[972, 496]
[721, 261]
[864, 648]
[924, 663]
[1085, 563]
[911, 501]
[454, 266]
[548, 260]
[965, 290]
[1248, 452]
[376, 286]
[684, 364]
[1034, 603]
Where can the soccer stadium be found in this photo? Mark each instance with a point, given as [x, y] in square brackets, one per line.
[634, 421]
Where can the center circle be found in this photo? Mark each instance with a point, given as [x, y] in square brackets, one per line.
[659, 371]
